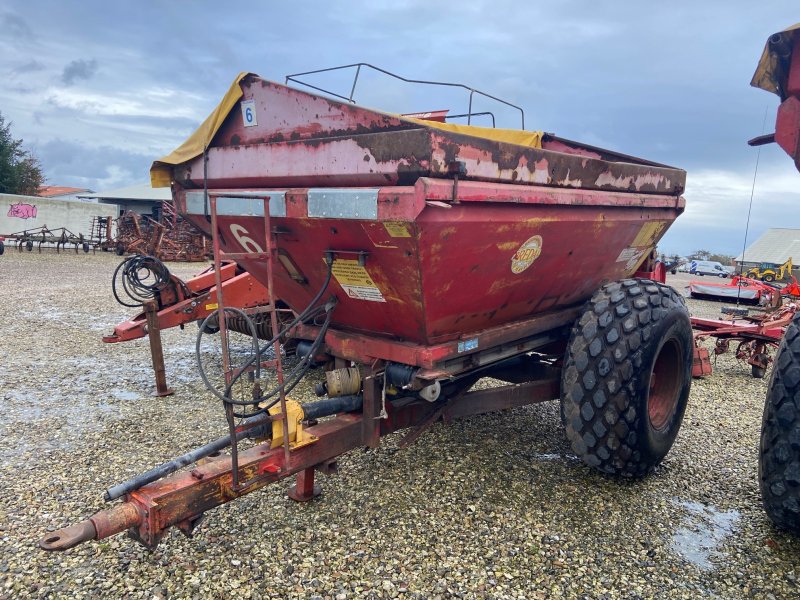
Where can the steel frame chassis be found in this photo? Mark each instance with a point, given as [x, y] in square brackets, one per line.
[182, 498]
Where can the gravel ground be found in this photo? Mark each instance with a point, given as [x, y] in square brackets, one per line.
[494, 506]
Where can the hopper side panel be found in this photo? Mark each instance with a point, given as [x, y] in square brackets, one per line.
[386, 301]
[469, 257]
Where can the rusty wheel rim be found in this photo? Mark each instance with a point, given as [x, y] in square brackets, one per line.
[665, 385]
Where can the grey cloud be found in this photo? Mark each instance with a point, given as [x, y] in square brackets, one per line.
[16, 27]
[21, 89]
[70, 163]
[78, 69]
[30, 67]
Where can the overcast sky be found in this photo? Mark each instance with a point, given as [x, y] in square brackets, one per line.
[99, 89]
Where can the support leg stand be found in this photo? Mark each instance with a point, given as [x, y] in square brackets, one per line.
[304, 488]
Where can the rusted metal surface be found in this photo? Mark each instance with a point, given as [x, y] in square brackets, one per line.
[401, 157]
[372, 412]
[303, 132]
[364, 348]
[156, 350]
[165, 239]
[184, 496]
[428, 275]
[304, 488]
[701, 362]
[99, 526]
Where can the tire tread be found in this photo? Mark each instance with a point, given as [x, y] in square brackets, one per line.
[779, 450]
[604, 357]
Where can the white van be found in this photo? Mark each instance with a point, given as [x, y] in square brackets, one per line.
[707, 267]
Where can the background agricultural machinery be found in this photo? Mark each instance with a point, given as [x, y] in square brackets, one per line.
[167, 238]
[755, 335]
[59, 239]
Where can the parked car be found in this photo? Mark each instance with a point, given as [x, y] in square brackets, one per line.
[707, 267]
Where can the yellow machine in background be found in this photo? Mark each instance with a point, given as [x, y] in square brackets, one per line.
[767, 272]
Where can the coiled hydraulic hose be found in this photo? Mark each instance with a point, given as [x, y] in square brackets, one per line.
[141, 277]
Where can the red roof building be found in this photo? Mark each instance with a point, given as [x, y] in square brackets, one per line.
[56, 191]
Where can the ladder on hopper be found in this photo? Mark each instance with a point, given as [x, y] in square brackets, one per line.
[256, 253]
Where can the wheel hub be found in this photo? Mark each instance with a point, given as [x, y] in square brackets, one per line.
[665, 380]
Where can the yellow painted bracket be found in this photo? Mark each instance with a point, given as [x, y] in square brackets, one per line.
[297, 436]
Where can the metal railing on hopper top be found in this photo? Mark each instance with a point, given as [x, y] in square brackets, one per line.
[357, 66]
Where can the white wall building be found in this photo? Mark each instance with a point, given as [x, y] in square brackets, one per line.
[21, 213]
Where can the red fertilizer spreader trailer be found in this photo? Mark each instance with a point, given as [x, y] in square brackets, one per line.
[418, 257]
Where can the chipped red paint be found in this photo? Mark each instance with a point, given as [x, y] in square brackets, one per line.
[181, 498]
[309, 140]
[452, 274]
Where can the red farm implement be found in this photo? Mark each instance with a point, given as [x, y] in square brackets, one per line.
[417, 257]
[167, 301]
[740, 289]
[139, 279]
[754, 335]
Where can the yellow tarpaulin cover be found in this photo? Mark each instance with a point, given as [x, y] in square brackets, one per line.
[511, 136]
[161, 171]
[768, 73]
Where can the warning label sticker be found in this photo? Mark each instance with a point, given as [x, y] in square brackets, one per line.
[395, 229]
[631, 257]
[355, 281]
[629, 253]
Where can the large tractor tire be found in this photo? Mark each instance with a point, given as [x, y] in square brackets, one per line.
[779, 451]
[626, 376]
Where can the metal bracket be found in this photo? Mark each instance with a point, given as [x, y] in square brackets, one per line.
[361, 256]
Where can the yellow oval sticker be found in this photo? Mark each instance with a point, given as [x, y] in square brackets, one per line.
[526, 254]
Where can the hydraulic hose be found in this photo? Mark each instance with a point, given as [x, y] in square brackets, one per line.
[255, 428]
[298, 372]
[331, 406]
[141, 278]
